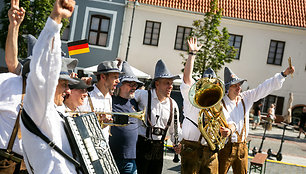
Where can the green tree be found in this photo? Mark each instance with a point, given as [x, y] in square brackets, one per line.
[215, 50]
[37, 13]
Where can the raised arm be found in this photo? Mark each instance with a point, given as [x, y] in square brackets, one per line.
[193, 49]
[16, 16]
[62, 9]
[46, 65]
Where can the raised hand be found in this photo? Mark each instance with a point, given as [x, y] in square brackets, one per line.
[62, 9]
[289, 70]
[16, 14]
[193, 45]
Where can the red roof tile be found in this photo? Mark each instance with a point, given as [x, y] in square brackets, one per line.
[283, 12]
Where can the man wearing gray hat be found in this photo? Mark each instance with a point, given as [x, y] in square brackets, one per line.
[47, 84]
[123, 139]
[99, 99]
[195, 153]
[159, 119]
[238, 104]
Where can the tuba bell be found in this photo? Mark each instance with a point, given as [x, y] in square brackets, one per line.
[206, 94]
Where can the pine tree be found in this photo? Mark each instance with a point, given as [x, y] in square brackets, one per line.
[37, 13]
[216, 50]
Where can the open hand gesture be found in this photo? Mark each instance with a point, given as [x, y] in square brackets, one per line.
[16, 14]
[193, 45]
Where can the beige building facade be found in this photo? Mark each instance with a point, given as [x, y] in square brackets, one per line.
[255, 46]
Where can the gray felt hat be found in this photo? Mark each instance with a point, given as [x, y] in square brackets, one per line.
[128, 75]
[231, 79]
[210, 73]
[81, 85]
[161, 71]
[68, 64]
[107, 67]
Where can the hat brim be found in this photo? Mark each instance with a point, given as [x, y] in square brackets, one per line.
[82, 86]
[234, 82]
[164, 77]
[110, 71]
[237, 81]
[131, 80]
[68, 78]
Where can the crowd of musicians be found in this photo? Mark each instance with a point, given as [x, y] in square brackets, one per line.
[40, 92]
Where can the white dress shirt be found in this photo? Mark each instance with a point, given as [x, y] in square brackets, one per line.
[10, 99]
[191, 132]
[100, 103]
[249, 97]
[39, 105]
[160, 109]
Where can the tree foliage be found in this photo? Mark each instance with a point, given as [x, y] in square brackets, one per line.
[37, 13]
[215, 51]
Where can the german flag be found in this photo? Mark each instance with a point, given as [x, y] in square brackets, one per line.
[78, 47]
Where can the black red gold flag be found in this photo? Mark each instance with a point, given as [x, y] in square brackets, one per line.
[78, 47]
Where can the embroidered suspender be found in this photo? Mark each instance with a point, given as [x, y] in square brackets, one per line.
[90, 103]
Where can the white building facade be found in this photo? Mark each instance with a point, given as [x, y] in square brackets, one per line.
[256, 41]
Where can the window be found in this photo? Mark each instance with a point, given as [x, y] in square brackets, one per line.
[276, 52]
[98, 31]
[152, 31]
[277, 100]
[236, 42]
[180, 41]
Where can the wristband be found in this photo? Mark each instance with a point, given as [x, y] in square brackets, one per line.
[192, 53]
[282, 73]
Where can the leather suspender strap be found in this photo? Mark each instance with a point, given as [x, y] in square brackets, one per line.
[17, 126]
[195, 124]
[149, 128]
[169, 120]
[239, 138]
[90, 103]
[31, 126]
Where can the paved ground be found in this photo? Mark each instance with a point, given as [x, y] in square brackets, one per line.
[293, 152]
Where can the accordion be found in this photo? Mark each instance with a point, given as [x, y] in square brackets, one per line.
[92, 150]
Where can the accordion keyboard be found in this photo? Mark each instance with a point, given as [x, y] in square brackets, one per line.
[92, 149]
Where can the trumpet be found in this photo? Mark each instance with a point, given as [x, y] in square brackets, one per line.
[119, 118]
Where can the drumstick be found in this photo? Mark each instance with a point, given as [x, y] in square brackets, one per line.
[290, 65]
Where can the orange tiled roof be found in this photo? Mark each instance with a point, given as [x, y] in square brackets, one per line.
[283, 12]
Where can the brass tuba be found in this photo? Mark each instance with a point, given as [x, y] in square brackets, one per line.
[206, 94]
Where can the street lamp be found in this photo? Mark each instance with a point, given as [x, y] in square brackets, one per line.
[136, 3]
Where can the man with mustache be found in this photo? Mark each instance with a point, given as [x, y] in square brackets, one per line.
[123, 139]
